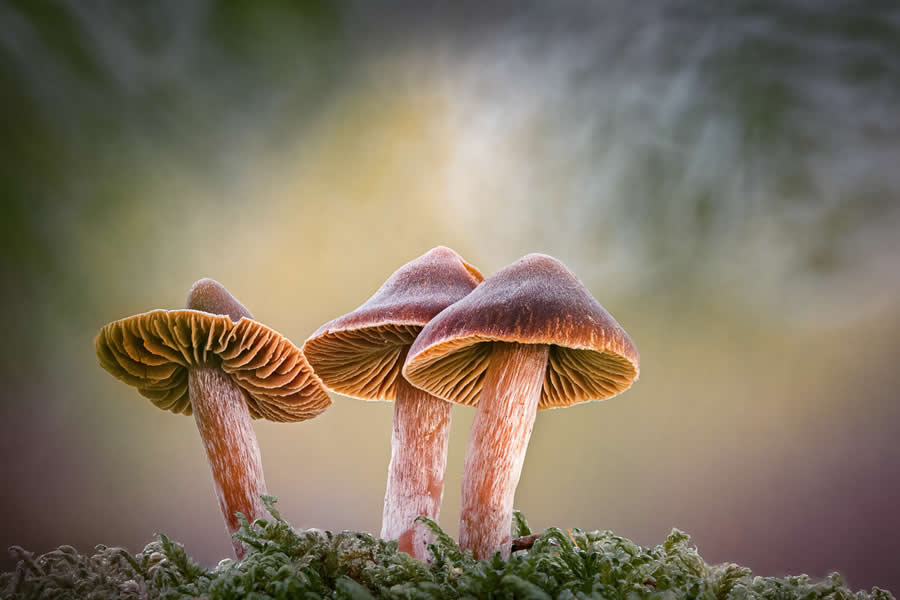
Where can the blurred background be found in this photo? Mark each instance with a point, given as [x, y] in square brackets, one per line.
[724, 180]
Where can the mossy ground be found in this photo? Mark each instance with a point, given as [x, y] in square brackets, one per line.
[284, 563]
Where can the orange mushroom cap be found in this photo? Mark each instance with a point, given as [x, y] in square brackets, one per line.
[152, 352]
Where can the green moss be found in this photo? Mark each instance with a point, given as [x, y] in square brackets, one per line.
[284, 563]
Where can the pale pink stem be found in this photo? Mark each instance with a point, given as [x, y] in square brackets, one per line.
[497, 445]
[231, 448]
[415, 482]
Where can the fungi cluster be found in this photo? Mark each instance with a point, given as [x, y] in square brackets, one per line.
[528, 337]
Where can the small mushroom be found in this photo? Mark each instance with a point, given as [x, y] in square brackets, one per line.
[360, 355]
[529, 337]
[214, 361]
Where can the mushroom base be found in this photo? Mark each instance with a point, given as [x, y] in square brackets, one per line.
[497, 444]
[223, 421]
[415, 483]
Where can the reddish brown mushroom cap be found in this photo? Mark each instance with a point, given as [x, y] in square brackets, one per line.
[360, 354]
[152, 352]
[535, 300]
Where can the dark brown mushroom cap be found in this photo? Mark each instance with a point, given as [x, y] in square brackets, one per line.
[535, 300]
[360, 354]
[153, 351]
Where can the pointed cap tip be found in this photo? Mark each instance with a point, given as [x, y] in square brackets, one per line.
[210, 296]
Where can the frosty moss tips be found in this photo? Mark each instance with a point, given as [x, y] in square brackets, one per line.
[284, 563]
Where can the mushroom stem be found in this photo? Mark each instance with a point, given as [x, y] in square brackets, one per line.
[223, 421]
[415, 482]
[497, 445]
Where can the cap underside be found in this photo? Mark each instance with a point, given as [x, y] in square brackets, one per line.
[454, 370]
[152, 352]
[362, 363]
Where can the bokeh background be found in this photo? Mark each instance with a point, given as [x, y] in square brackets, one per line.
[724, 179]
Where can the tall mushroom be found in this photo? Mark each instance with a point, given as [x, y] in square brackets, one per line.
[360, 355]
[529, 337]
[214, 361]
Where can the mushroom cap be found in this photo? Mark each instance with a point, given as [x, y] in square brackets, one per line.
[360, 354]
[535, 300]
[209, 296]
[152, 351]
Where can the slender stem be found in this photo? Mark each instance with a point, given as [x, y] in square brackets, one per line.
[415, 482]
[231, 449]
[497, 445]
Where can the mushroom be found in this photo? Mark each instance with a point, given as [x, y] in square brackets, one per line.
[214, 361]
[529, 337]
[360, 355]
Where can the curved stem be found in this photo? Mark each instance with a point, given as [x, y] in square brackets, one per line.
[497, 445]
[232, 451]
[415, 482]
